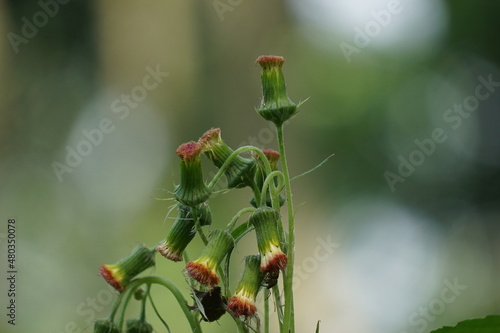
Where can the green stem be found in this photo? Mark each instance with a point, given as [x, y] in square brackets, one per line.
[256, 192]
[266, 313]
[232, 223]
[197, 224]
[288, 324]
[131, 288]
[143, 303]
[270, 180]
[158, 313]
[279, 306]
[193, 322]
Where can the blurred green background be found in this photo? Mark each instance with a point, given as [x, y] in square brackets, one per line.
[406, 216]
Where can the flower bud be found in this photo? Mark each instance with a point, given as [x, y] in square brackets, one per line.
[138, 326]
[242, 303]
[179, 236]
[265, 222]
[239, 172]
[120, 274]
[105, 326]
[275, 105]
[260, 174]
[204, 269]
[191, 190]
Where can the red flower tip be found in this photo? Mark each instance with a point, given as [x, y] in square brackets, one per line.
[201, 273]
[188, 150]
[273, 261]
[241, 305]
[109, 276]
[210, 135]
[268, 61]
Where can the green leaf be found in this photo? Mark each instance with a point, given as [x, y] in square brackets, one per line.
[489, 324]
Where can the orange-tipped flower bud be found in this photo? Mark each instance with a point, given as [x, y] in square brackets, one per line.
[242, 303]
[265, 221]
[179, 236]
[204, 269]
[120, 274]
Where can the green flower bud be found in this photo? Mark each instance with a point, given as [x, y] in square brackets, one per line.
[138, 326]
[191, 190]
[204, 269]
[239, 172]
[120, 274]
[261, 174]
[179, 236]
[275, 106]
[105, 326]
[265, 222]
[242, 303]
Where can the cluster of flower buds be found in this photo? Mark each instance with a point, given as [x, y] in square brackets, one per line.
[192, 193]
[120, 274]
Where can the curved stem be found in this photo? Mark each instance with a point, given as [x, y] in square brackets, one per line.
[270, 178]
[238, 151]
[288, 324]
[232, 223]
[195, 325]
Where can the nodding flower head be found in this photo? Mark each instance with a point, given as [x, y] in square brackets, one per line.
[265, 221]
[239, 172]
[204, 269]
[105, 326]
[179, 236]
[275, 106]
[191, 190]
[119, 275]
[242, 303]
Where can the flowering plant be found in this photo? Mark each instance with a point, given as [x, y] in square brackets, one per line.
[208, 275]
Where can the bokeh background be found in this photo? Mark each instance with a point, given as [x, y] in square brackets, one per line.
[379, 75]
